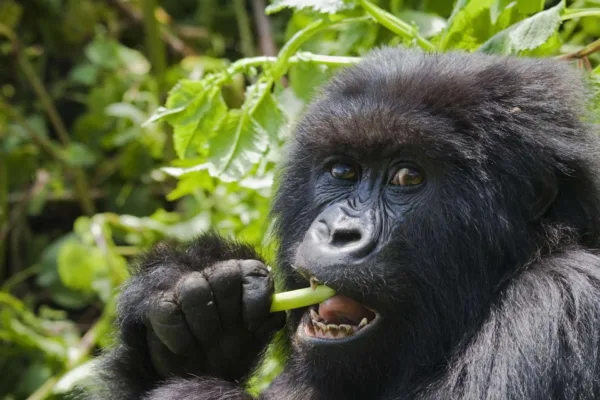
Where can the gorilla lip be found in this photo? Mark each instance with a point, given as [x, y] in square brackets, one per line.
[338, 317]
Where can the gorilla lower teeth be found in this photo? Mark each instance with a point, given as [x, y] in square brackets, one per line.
[320, 329]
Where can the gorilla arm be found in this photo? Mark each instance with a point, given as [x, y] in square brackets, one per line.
[201, 309]
[540, 340]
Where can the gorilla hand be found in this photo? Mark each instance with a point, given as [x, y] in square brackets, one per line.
[213, 319]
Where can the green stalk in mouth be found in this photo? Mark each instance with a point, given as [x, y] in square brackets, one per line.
[301, 298]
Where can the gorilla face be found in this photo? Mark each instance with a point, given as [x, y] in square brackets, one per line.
[364, 205]
[401, 195]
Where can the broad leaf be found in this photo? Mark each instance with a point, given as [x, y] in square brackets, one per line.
[461, 32]
[78, 265]
[269, 116]
[528, 34]
[528, 7]
[322, 6]
[240, 144]
[428, 24]
[196, 113]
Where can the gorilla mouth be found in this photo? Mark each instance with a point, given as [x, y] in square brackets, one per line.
[338, 317]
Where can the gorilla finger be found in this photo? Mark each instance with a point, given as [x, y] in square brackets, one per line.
[168, 322]
[168, 364]
[199, 308]
[257, 291]
[225, 281]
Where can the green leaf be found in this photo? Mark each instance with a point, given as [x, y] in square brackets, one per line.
[81, 375]
[103, 53]
[78, 155]
[269, 116]
[195, 109]
[321, 6]
[125, 110]
[428, 24]
[530, 6]
[461, 32]
[10, 13]
[239, 145]
[306, 78]
[528, 34]
[161, 113]
[84, 74]
[194, 127]
[78, 265]
[190, 183]
[133, 61]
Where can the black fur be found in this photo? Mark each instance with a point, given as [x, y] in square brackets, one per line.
[488, 278]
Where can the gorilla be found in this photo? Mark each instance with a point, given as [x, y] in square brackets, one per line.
[453, 203]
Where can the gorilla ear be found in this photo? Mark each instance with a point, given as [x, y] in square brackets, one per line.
[546, 194]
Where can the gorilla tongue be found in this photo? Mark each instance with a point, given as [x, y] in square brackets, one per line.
[343, 310]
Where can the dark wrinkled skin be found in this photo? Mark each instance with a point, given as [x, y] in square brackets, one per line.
[485, 275]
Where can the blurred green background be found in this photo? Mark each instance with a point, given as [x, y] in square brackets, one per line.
[127, 122]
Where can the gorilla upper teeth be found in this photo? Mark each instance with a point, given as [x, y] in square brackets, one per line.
[314, 282]
[315, 316]
[363, 323]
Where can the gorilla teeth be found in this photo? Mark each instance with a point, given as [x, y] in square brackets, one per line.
[319, 328]
[315, 315]
[314, 282]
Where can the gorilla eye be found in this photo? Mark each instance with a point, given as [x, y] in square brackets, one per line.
[346, 172]
[407, 177]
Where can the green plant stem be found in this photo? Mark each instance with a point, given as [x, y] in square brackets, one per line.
[396, 25]
[300, 298]
[40, 140]
[81, 185]
[301, 57]
[80, 182]
[81, 352]
[580, 12]
[19, 277]
[3, 209]
[42, 94]
[243, 23]
[155, 47]
[330, 61]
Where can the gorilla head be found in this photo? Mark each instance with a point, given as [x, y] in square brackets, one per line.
[417, 185]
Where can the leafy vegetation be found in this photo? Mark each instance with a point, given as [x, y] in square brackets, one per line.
[100, 160]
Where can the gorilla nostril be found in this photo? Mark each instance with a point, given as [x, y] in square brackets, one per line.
[343, 237]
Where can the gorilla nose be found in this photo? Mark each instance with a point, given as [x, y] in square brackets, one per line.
[343, 233]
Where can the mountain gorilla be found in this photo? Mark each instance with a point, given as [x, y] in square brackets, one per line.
[451, 200]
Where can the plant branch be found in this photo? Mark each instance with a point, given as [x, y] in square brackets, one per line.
[396, 25]
[40, 140]
[80, 182]
[174, 43]
[579, 13]
[243, 23]
[155, 48]
[584, 52]
[4, 219]
[263, 28]
[83, 349]
[41, 180]
[79, 176]
[37, 85]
